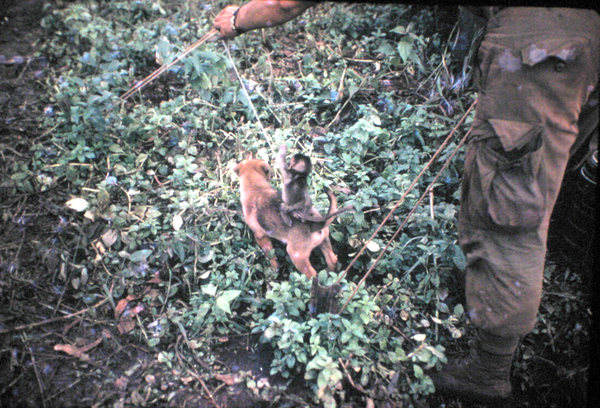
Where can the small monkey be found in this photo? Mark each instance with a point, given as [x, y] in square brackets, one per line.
[296, 198]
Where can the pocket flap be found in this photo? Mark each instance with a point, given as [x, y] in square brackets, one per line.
[513, 134]
[566, 49]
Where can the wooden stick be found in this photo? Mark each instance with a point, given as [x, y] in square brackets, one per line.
[442, 146]
[48, 321]
[35, 369]
[164, 68]
[414, 209]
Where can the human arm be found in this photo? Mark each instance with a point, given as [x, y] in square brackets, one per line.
[258, 14]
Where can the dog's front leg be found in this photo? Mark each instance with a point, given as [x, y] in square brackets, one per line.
[267, 246]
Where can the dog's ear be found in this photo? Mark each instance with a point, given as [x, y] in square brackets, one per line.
[237, 167]
[266, 169]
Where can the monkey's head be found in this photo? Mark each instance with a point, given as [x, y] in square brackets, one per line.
[301, 164]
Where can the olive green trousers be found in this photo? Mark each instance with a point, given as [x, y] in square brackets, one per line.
[537, 68]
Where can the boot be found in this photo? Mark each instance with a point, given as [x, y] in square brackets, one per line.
[484, 375]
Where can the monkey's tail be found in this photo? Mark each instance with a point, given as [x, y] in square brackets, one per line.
[333, 210]
[327, 219]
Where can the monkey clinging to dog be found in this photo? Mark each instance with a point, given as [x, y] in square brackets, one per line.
[261, 205]
[296, 198]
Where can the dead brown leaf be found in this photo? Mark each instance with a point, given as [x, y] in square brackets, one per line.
[229, 379]
[79, 352]
[122, 382]
[73, 351]
[126, 324]
[120, 308]
[92, 345]
[156, 278]
[109, 238]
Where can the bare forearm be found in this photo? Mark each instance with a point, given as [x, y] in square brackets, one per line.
[269, 13]
[258, 14]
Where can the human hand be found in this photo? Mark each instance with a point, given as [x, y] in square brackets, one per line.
[223, 23]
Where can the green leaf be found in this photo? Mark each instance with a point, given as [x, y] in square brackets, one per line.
[210, 289]
[115, 148]
[19, 176]
[226, 298]
[418, 371]
[399, 30]
[435, 352]
[459, 310]
[459, 259]
[442, 307]
[103, 198]
[140, 256]
[405, 48]
[269, 333]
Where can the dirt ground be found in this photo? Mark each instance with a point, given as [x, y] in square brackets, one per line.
[32, 372]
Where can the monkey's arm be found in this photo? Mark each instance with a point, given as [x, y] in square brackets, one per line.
[280, 159]
[302, 204]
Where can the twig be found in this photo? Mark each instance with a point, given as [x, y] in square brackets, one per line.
[35, 370]
[401, 333]
[187, 342]
[25, 68]
[431, 203]
[194, 374]
[5, 389]
[48, 321]
[192, 371]
[341, 87]
[68, 387]
[62, 294]
[164, 68]
[4, 147]
[337, 115]
[356, 386]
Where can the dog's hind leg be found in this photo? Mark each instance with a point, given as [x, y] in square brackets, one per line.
[300, 259]
[330, 257]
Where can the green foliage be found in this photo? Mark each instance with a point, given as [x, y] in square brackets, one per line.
[358, 343]
[162, 217]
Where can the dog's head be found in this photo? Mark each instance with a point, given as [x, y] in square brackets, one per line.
[253, 165]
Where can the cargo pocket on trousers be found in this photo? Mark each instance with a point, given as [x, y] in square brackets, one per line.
[565, 50]
[513, 177]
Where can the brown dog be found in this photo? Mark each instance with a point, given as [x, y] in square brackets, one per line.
[261, 204]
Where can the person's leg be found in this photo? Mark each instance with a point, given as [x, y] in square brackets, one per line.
[537, 69]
